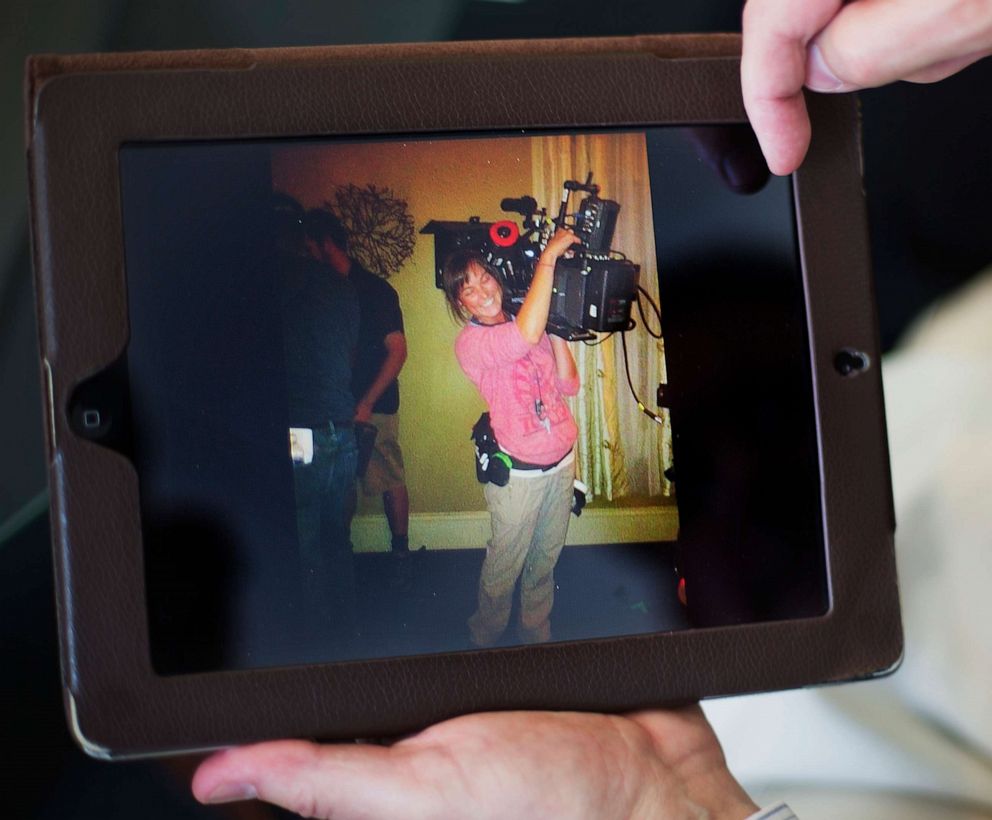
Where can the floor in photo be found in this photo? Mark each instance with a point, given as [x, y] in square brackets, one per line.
[420, 603]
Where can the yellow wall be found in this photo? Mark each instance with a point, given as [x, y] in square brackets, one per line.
[449, 180]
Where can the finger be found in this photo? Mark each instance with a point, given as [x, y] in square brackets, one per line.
[925, 41]
[773, 72]
[312, 780]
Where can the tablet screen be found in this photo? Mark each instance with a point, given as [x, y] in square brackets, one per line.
[317, 328]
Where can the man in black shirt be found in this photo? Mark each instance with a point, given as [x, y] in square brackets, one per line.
[379, 358]
[320, 332]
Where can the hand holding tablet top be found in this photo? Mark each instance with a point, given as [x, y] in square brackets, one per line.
[830, 46]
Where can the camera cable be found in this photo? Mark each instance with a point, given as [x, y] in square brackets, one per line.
[657, 312]
[630, 383]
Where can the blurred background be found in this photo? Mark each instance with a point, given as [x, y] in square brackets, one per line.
[919, 744]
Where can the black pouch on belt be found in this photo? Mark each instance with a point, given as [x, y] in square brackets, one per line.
[491, 463]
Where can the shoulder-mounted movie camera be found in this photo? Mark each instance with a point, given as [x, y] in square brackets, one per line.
[594, 289]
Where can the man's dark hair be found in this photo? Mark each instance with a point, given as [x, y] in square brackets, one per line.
[322, 224]
[453, 275]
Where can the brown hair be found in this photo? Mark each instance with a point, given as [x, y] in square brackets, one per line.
[453, 275]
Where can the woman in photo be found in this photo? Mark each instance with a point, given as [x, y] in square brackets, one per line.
[523, 374]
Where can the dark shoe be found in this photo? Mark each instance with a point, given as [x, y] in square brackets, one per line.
[403, 554]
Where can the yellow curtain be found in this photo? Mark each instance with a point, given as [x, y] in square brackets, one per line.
[620, 450]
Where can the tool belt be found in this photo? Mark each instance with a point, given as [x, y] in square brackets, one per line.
[493, 464]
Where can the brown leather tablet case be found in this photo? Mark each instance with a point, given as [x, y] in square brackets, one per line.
[80, 109]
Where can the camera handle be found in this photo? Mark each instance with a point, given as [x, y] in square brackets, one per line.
[569, 333]
[566, 192]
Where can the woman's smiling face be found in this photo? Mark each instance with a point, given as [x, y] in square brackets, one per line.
[482, 295]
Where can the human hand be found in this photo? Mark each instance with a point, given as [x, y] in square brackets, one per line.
[832, 46]
[651, 764]
[363, 412]
[558, 244]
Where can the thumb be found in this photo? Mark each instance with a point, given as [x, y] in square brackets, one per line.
[312, 780]
[874, 42]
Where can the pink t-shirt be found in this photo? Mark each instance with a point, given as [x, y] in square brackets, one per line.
[515, 378]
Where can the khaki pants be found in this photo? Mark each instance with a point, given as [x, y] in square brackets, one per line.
[530, 521]
[385, 471]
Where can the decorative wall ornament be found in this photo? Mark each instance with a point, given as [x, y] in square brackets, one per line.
[379, 225]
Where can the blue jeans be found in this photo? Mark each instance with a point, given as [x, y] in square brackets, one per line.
[324, 502]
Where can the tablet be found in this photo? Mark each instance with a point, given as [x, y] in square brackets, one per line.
[261, 531]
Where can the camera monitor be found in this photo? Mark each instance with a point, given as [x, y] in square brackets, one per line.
[311, 426]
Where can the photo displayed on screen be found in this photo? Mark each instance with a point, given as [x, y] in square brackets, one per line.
[425, 395]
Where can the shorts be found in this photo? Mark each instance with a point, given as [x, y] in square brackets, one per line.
[385, 471]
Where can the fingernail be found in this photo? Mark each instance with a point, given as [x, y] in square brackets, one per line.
[819, 77]
[231, 793]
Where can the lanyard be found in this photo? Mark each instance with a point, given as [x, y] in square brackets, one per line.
[539, 409]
